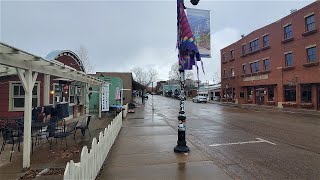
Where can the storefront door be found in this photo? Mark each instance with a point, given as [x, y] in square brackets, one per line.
[260, 97]
[318, 94]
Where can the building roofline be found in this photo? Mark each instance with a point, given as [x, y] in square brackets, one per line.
[279, 20]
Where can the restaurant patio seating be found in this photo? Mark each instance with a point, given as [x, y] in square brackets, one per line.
[84, 126]
[12, 134]
[53, 131]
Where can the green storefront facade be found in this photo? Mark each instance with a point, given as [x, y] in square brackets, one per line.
[114, 83]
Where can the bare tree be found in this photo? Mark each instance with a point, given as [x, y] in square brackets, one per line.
[144, 77]
[82, 53]
[175, 74]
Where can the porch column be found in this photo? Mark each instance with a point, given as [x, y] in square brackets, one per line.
[46, 90]
[100, 101]
[28, 80]
[87, 99]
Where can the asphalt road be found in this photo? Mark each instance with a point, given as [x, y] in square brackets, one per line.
[250, 144]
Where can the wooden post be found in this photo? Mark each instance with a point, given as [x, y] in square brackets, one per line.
[28, 82]
[46, 90]
[100, 101]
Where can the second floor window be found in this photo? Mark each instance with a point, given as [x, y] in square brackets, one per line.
[266, 41]
[232, 54]
[310, 23]
[288, 32]
[266, 65]
[224, 73]
[254, 67]
[312, 54]
[232, 72]
[289, 60]
[224, 57]
[254, 45]
[243, 68]
[243, 49]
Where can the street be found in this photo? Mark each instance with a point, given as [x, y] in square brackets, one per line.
[249, 144]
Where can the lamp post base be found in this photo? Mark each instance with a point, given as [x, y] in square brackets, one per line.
[181, 149]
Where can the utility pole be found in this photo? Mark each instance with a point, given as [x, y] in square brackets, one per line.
[152, 96]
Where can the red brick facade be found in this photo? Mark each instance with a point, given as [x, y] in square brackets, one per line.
[292, 78]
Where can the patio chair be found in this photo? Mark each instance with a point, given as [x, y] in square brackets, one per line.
[59, 133]
[84, 126]
[12, 134]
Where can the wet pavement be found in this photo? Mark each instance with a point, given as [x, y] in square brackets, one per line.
[288, 146]
[144, 150]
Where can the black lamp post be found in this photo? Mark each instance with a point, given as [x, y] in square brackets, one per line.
[181, 143]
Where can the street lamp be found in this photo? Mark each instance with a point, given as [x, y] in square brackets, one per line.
[181, 146]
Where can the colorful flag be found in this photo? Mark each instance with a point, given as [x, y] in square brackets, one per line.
[188, 51]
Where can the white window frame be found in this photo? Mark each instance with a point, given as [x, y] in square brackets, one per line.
[74, 95]
[11, 95]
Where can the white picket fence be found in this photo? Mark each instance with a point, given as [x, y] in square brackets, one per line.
[92, 161]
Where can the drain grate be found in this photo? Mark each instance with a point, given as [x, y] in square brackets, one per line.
[136, 118]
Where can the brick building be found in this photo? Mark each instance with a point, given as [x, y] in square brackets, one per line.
[277, 64]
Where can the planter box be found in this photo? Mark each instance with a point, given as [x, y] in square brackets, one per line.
[291, 105]
[271, 103]
[306, 105]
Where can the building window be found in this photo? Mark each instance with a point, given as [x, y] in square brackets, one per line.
[224, 57]
[232, 54]
[243, 49]
[254, 45]
[310, 23]
[306, 93]
[232, 72]
[288, 32]
[79, 95]
[266, 41]
[72, 94]
[243, 68]
[289, 93]
[289, 59]
[224, 73]
[312, 54]
[17, 95]
[270, 93]
[254, 67]
[266, 65]
[250, 93]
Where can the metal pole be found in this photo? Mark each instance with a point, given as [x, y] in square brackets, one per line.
[181, 143]
[152, 96]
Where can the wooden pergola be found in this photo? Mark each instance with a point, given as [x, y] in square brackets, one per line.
[27, 66]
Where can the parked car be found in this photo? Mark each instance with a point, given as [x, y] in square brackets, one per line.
[200, 99]
[145, 96]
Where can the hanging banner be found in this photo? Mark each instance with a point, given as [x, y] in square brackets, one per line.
[105, 97]
[199, 21]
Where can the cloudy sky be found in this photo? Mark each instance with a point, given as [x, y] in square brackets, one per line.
[120, 35]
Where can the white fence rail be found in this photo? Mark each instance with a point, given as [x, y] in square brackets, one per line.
[125, 111]
[92, 161]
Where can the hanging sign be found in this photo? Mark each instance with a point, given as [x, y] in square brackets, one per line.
[105, 97]
[199, 21]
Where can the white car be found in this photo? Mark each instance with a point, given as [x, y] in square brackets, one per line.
[200, 99]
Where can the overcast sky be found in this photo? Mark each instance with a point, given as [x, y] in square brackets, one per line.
[120, 35]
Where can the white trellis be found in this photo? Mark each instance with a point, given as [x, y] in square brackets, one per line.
[92, 161]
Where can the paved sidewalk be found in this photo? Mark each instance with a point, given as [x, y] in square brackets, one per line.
[144, 150]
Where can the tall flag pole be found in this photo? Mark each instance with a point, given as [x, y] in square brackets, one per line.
[188, 55]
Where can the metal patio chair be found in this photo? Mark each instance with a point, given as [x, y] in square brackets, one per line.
[84, 126]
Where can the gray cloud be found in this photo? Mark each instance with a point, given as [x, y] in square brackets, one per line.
[122, 34]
